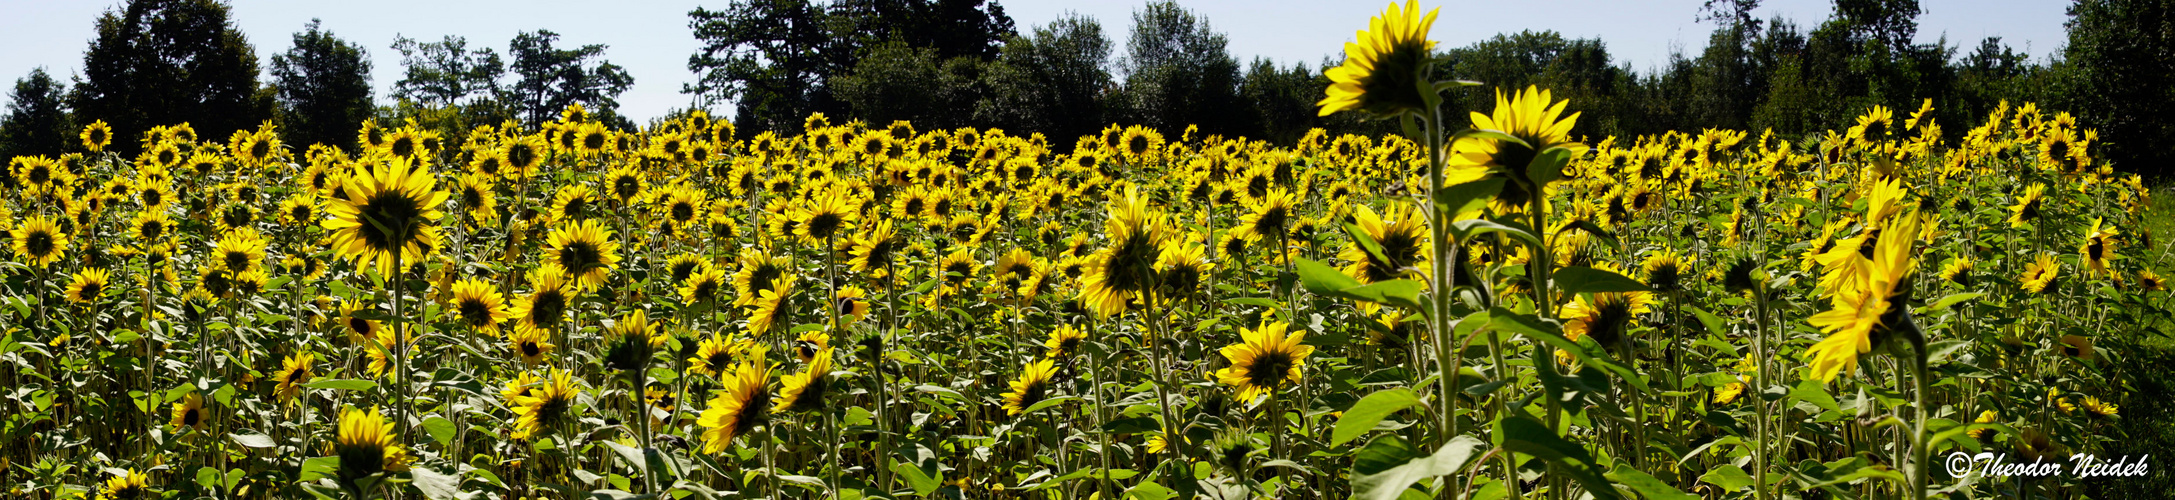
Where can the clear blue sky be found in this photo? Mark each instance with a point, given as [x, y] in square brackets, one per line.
[651, 38]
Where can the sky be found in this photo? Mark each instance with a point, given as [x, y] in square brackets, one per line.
[651, 39]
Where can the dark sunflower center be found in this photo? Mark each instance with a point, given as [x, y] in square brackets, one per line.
[471, 197]
[92, 288]
[388, 220]
[191, 417]
[593, 141]
[626, 186]
[548, 308]
[705, 290]
[1269, 368]
[823, 224]
[237, 261]
[39, 243]
[521, 155]
[682, 211]
[475, 312]
[403, 147]
[530, 349]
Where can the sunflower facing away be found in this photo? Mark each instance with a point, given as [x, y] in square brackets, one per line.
[385, 213]
[1382, 69]
[1402, 239]
[1265, 359]
[735, 412]
[546, 407]
[2028, 206]
[1032, 387]
[1606, 316]
[1124, 267]
[1532, 115]
[804, 391]
[1861, 315]
[366, 445]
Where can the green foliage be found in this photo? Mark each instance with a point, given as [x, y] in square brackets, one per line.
[324, 89]
[2123, 51]
[159, 62]
[37, 121]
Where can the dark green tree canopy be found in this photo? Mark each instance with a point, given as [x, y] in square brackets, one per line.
[445, 72]
[37, 121]
[159, 62]
[324, 89]
[548, 79]
[1179, 73]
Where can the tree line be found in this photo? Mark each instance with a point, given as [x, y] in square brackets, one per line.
[956, 63]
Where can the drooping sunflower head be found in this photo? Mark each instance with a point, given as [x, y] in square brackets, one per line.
[1664, 270]
[804, 391]
[366, 444]
[736, 411]
[547, 407]
[1384, 68]
[1032, 386]
[632, 341]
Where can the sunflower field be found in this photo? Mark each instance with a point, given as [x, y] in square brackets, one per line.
[1480, 307]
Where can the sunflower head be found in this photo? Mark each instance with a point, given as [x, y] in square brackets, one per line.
[1384, 70]
[1265, 359]
[367, 445]
[1032, 386]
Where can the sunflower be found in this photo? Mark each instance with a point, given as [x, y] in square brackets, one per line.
[474, 193]
[2077, 346]
[2039, 275]
[546, 407]
[851, 304]
[385, 347]
[1265, 359]
[386, 214]
[1124, 267]
[631, 341]
[736, 411]
[1863, 316]
[367, 444]
[757, 273]
[771, 308]
[96, 136]
[572, 203]
[1533, 116]
[824, 215]
[357, 327]
[39, 241]
[294, 371]
[1958, 270]
[523, 154]
[682, 204]
[1064, 342]
[1382, 71]
[2099, 408]
[478, 304]
[702, 286]
[2150, 281]
[87, 285]
[585, 250]
[1606, 316]
[1664, 271]
[1181, 268]
[715, 355]
[128, 485]
[2028, 206]
[2099, 247]
[804, 391]
[189, 412]
[528, 343]
[1032, 387]
[1401, 239]
[548, 300]
[239, 250]
[1270, 215]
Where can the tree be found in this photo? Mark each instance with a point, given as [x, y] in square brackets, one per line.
[445, 72]
[550, 79]
[1053, 81]
[1282, 101]
[1891, 22]
[323, 86]
[161, 62]
[770, 57]
[37, 121]
[2122, 50]
[1179, 73]
[899, 82]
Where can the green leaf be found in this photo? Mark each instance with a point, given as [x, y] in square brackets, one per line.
[1322, 279]
[1524, 434]
[434, 485]
[319, 468]
[1575, 280]
[1388, 465]
[1466, 229]
[1648, 486]
[1467, 197]
[1149, 490]
[1547, 168]
[1046, 403]
[209, 478]
[342, 384]
[1533, 327]
[1729, 476]
[252, 439]
[1369, 411]
[1949, 301]
[1815, 392]
[923, 483]
[1399, 292]
[439, 428]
